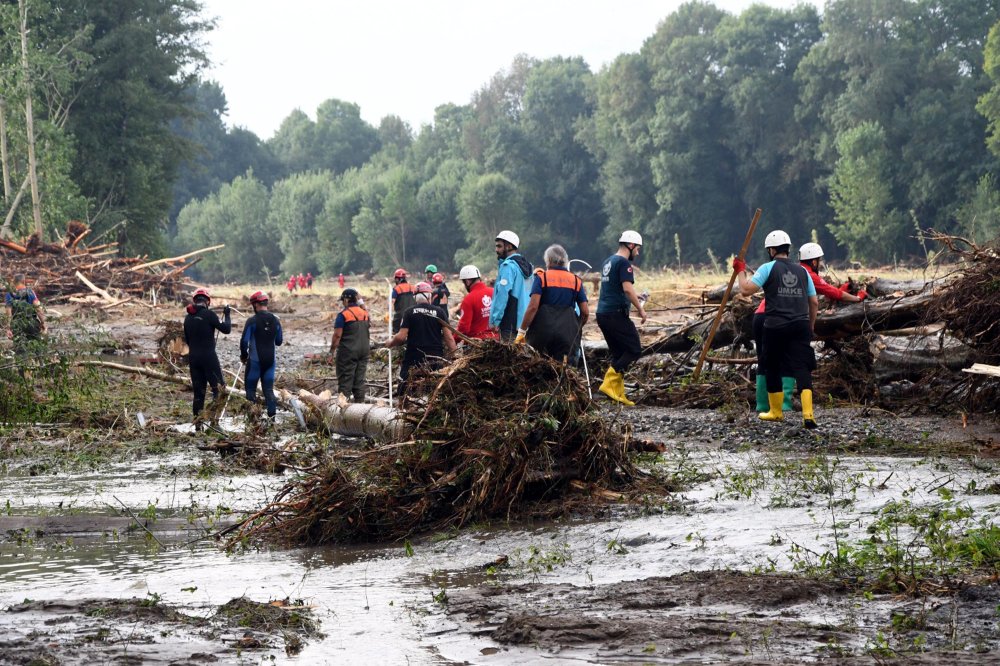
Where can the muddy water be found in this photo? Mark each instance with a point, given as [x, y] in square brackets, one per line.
[375, 603]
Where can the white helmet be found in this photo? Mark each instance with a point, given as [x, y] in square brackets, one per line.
[510, 237]
[469, 272]
[810, 251]
[630, 237]
[776, 238]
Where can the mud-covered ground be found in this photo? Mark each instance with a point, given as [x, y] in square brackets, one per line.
[774, 546]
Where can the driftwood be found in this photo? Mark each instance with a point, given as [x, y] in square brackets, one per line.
[898, 358]
[872, 315]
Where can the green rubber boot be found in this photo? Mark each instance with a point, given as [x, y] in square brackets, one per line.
[788, 387]
[762, 405]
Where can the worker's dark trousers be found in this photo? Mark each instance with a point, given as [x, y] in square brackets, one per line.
[204, 371]
[622, 338]
[266, 378]
[352, 369]
[788, 353]
[554, 331]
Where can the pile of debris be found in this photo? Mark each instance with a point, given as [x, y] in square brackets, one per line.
[73, 271]
[500, 433]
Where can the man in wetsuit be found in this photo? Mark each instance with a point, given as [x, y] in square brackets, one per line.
[551, 323]
[424, 335]
[261, 334]
[352, 345]
[790, 315]
[511, 291]
[200, 326]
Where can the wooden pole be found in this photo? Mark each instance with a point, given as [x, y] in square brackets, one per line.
[725, 298]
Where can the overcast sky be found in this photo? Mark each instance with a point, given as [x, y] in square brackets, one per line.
[405, 57]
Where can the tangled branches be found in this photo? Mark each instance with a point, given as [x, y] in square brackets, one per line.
[503, 432]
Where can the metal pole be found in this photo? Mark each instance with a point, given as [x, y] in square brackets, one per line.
[725, 298]
[390, 349]
[583, 352]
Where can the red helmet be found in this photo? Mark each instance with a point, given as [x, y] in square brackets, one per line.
[259, 297]
[424, 288]
[437, 278]
[400, 273]
[202, 293]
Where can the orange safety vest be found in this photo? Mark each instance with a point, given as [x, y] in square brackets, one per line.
[561, 280]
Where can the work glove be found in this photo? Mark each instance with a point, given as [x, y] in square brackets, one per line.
[387, 317]
[225, 311]
[739, 265]
[862, 294]
[244, 357]
[519, 340]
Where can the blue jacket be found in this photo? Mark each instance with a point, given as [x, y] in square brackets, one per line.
[511, 292]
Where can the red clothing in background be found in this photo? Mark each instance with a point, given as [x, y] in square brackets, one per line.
[475, 321]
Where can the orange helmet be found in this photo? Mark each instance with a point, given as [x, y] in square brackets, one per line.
[437, 278]
[202, 293]
[400, 273]
[259, 297]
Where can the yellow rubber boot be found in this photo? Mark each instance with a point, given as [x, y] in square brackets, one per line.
[620, 387]
[774, 400]
[807, 409]
[608, 385]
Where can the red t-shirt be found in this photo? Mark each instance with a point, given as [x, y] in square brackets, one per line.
[475, 321]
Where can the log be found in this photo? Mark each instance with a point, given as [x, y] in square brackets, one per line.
[896, 288]
[168, 260]
[94, 288]
[885, 315]
[983, 369]
[11, 245]
[685, 338]
[899, 358]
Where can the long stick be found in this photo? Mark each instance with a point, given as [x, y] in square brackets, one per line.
[725, 298]
[390, 349]
[183, 256]
[231, 391]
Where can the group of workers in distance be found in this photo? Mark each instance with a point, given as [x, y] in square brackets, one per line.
[545, 308]
[299, 281]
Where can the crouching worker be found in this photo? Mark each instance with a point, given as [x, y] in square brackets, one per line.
[352, 346]
[200, 326]
[790, 315]
[261, 334]
[551, 323]
[423, 332]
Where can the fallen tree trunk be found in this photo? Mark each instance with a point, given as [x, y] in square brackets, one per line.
[876, 316]
[349, 419]
[897, 358]
[896, 288]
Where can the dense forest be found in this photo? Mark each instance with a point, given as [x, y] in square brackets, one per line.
[856, 126]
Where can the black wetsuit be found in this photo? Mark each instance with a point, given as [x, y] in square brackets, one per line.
[200, 326]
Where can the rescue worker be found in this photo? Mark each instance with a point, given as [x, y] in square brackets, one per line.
[440, 293]
[290, 284]
[511, 291]
[200, 326]
[429, 272]
[811, 258]
[402, 297]
[261, 334]
[790, 315]
[613, 304]
[551, 323]
[309, 281]
[475, 319]
[352, 345]
[423, 332]
[302, 281]
[340, 280]
[25, 316]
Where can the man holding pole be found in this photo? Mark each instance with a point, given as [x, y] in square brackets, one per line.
[613, 303]
[790, 311]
